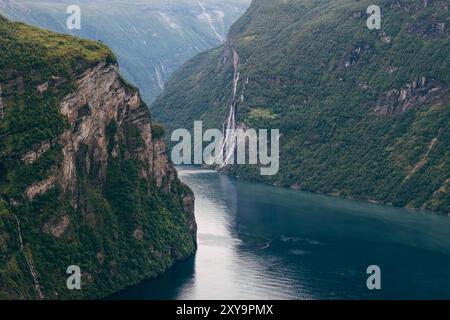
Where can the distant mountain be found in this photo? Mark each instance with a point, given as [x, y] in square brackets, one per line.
[150, 37]
[363, 113]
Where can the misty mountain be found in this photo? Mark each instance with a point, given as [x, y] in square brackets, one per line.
[150, 37]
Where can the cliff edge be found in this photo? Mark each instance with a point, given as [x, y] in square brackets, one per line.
[85, 179]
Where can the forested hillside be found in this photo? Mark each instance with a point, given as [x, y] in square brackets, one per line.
[363, 113]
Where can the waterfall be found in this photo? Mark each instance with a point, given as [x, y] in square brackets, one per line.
[229, 142]
[2, 111]
[159, 78]
[29, 262]
[210, 22]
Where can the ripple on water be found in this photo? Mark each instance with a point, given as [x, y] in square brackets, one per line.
[298, 252]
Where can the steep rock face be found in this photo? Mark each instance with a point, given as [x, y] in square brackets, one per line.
[418, 93]
[101, 98]
[83, 180]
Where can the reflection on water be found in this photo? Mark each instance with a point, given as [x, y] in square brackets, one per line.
[260, 242]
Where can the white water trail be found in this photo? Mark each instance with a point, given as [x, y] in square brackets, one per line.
[229, 142]
[2, 111]
[29, 262]
[159, 78]
[210, 22]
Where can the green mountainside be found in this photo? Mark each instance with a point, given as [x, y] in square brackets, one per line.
[363, 113]
[151, 38]
[82, 180]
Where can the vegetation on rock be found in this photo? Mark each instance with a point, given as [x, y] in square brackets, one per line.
[118, 223]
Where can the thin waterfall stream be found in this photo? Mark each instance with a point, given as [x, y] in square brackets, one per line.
[229, 141]
[29, 262]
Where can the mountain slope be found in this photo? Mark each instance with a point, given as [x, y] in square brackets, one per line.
[363, 113]
[150, 37]
[84, 176]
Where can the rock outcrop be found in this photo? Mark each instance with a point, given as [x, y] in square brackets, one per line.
[417, 93]
[101, 98]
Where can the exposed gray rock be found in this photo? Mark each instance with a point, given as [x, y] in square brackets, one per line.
[33, 156]
[42, 88]
[58, 228]
[40, 187]
[411, 95]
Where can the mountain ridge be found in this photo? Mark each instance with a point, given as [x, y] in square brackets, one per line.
[150, 37]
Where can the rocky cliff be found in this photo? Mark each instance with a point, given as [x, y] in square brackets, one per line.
[83, 179]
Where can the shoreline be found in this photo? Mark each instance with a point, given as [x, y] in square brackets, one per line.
[332, 195]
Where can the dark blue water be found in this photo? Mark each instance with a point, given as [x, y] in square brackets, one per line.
[260, 242]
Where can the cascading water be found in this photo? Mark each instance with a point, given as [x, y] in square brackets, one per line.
[210, 22]
[2, 112]
[229, 142]
[29, 262]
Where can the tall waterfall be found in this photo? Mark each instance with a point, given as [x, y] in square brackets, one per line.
[210, 21]
[29, 262]
[2, 112]
[229, 141]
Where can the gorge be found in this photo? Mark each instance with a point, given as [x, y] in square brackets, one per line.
[363, 176]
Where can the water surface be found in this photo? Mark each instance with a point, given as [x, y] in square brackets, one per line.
[261, 242]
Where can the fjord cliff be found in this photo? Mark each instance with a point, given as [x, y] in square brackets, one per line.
[84, 175]
[363, 113]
